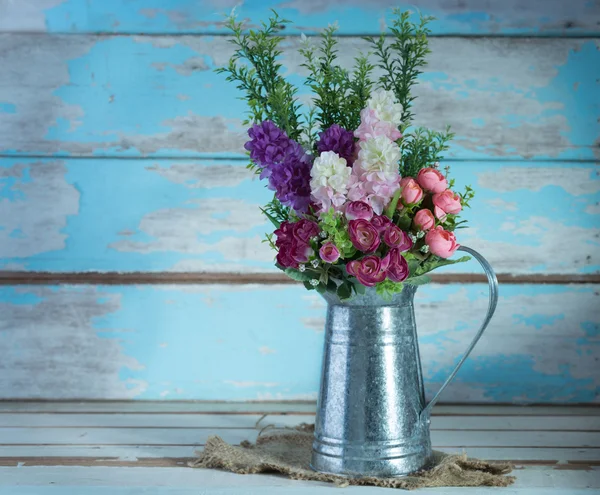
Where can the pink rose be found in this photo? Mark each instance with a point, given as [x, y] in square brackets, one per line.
[300, 251]
[363, 235]
[357, 210]
[381, 223]
[284, 257]
[395, 238]
[432, 180]
[305, 230]
[284, 233]
[371, 127]
[369, 271]
[397, 270]
[411, 192]
[329, 253]
[441, 242]
[446, 202]
[424, 220]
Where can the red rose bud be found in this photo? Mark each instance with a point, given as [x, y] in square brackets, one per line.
[363, 235]
[395, 238]
[357, 210]
[397, 270]
[381, 223]
[369, 271]
[329, 253]
[305, 230]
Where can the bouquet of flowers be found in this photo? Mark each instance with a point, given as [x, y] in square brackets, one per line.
[359, 197]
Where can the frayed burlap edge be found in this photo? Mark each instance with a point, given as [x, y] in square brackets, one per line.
[288, 452]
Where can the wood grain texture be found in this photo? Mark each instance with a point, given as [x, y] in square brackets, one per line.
[228, 342]
[191, 278]
[505, 98]
[203, 216]
[179, 481]
[532, 18]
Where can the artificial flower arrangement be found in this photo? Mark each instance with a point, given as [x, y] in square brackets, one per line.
[359, 197]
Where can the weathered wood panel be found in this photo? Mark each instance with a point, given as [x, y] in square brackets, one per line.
[532, 480]
[514, 17]
[260, 342]
[67, 215]
[157, 95]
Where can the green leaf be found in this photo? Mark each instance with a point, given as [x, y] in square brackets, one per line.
[404, 222]
[420, 280]
[298, 275]
[435, 262]
[389, 212]
[359, 288]
[344, 291]
[273, 220]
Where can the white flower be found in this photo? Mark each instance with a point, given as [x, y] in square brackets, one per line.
[385, 105]
[379, 154]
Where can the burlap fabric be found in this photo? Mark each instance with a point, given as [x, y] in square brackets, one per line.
[288, 452]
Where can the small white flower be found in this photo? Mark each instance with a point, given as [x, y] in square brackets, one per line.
[412, 236]
[314, 282]
[379, 154]
[302, 268]
[425, 249]
[420, 234]
[323, 234]
[303, 39]
[385, 105]
[315, 263]
[330, 170]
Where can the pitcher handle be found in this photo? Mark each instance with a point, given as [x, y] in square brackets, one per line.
[493, 301]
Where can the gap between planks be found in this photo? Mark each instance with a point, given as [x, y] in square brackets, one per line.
[170, 278]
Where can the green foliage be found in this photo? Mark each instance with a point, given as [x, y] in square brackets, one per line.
[339, 96]
[276, 212]
[268, 94]
[420, 280]
[435, 262]
[336, 228]
[401, 59]
[387, 289]
[422, 148]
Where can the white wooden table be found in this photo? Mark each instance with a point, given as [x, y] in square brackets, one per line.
[122, 448]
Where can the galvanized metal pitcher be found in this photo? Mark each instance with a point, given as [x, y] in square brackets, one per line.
[372, 418]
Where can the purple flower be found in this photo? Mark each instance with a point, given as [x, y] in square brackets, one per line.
[284, 163]
[290, 179]
[338, 140]
[268, 144]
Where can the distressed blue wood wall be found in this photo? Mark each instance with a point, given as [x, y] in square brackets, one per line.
[120, 151]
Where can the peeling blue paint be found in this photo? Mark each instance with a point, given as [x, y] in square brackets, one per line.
[6, 107]
[184, 16]
[205, 342]
[141, 192]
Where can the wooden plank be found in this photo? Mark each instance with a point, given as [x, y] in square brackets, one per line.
[300, 409]
[455, 423]
[150, 342]
[200, 278]
[203, 216]
[123, 453]
[505, 98]
[198, 436]
[532, 18]
[25, 420]
[530, 478]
